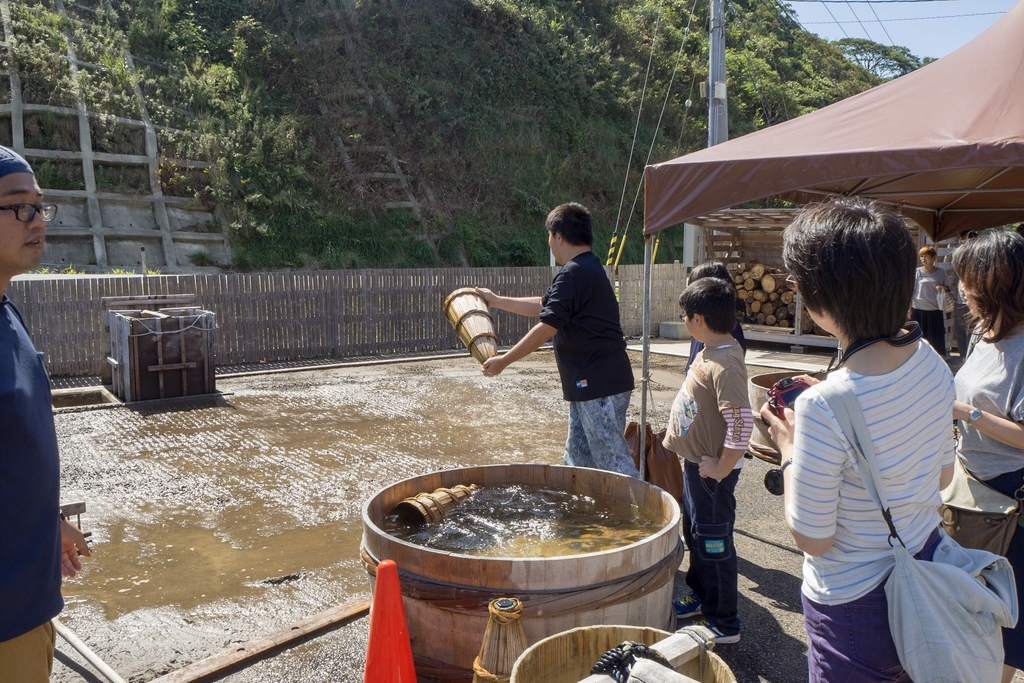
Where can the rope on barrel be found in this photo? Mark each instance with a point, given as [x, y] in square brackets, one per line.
[698, 636]
[369, 562]
[440, 672]
[676, 557]
[551, 601]
[619, 660]
[673, 558]
[505, 610]
[704, 644]
[482, 675]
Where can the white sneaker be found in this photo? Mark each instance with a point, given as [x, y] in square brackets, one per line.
[720, 638]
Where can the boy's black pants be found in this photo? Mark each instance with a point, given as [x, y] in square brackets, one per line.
[709, 514]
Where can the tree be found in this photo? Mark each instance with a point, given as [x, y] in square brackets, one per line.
[885, 61]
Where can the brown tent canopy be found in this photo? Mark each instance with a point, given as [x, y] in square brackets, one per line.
[944, 144]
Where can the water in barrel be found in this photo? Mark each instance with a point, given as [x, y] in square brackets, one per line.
[529, 521]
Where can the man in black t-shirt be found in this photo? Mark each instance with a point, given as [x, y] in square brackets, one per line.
[580, 312]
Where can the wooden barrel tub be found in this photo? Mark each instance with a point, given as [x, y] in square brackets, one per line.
[567, 657]
[446, 594]
[761, 443]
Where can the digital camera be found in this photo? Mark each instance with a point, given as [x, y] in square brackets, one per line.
[784, 392]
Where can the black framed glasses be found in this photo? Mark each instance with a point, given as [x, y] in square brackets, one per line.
[26, 213]
[682, 316]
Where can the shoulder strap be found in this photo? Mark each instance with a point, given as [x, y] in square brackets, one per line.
[902, 338]
[843, 402]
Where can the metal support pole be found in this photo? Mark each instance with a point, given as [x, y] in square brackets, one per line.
[645, 376]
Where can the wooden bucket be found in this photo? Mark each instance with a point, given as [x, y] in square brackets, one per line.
[761, 443]
[471, 318]
[568, 657]
[446, 595]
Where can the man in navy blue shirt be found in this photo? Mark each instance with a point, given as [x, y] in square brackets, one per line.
[39, 546]
[580, 312]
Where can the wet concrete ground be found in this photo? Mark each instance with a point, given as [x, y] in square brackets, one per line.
[198, 509]
[218, 521]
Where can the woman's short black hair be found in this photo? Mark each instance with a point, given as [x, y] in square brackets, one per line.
[854, 261]
[572, 221]
[709, 269]
[713, 298]
[991, 269]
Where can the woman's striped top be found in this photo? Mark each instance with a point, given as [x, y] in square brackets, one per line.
[909, 413]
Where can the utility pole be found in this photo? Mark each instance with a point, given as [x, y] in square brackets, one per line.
[718, 110]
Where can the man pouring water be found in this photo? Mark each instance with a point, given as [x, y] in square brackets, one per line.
[580, 314]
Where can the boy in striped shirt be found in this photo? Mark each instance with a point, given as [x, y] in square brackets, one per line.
[709, 427]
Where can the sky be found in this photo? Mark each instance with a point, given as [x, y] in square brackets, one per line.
[903, 22]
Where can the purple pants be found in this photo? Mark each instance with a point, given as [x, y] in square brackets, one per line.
[852, 643]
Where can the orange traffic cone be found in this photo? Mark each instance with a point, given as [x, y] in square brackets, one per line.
[388, 654]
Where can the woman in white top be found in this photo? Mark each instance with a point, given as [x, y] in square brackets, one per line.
[990, 385]
[854, 265]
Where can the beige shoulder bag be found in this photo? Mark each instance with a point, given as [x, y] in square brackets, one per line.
[975, 515]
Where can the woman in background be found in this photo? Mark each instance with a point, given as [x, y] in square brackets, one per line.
[990, 385]
[929, 280]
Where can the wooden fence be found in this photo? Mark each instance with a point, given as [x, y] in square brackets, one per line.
[290, 316]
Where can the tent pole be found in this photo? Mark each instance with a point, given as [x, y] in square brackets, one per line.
[646, 353]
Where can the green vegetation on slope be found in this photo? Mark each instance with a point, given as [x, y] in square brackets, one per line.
[496, 109]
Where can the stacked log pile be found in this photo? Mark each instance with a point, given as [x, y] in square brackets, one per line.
[766, 298]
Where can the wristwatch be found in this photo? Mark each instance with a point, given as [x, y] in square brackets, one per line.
[973, 416]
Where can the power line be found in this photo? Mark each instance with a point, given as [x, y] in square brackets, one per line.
[942, 16]
[654, 140]
[884, 29]
[868, 2]
[837, 21]
[789, 13]
[862, 26]
[636, 130]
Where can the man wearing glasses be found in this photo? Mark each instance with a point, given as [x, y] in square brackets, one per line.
[39, 546]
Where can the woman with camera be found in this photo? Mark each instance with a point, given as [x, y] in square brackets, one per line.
[854, 265]
[990, 385]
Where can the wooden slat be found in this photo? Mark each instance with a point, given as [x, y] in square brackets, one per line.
[172, 366]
